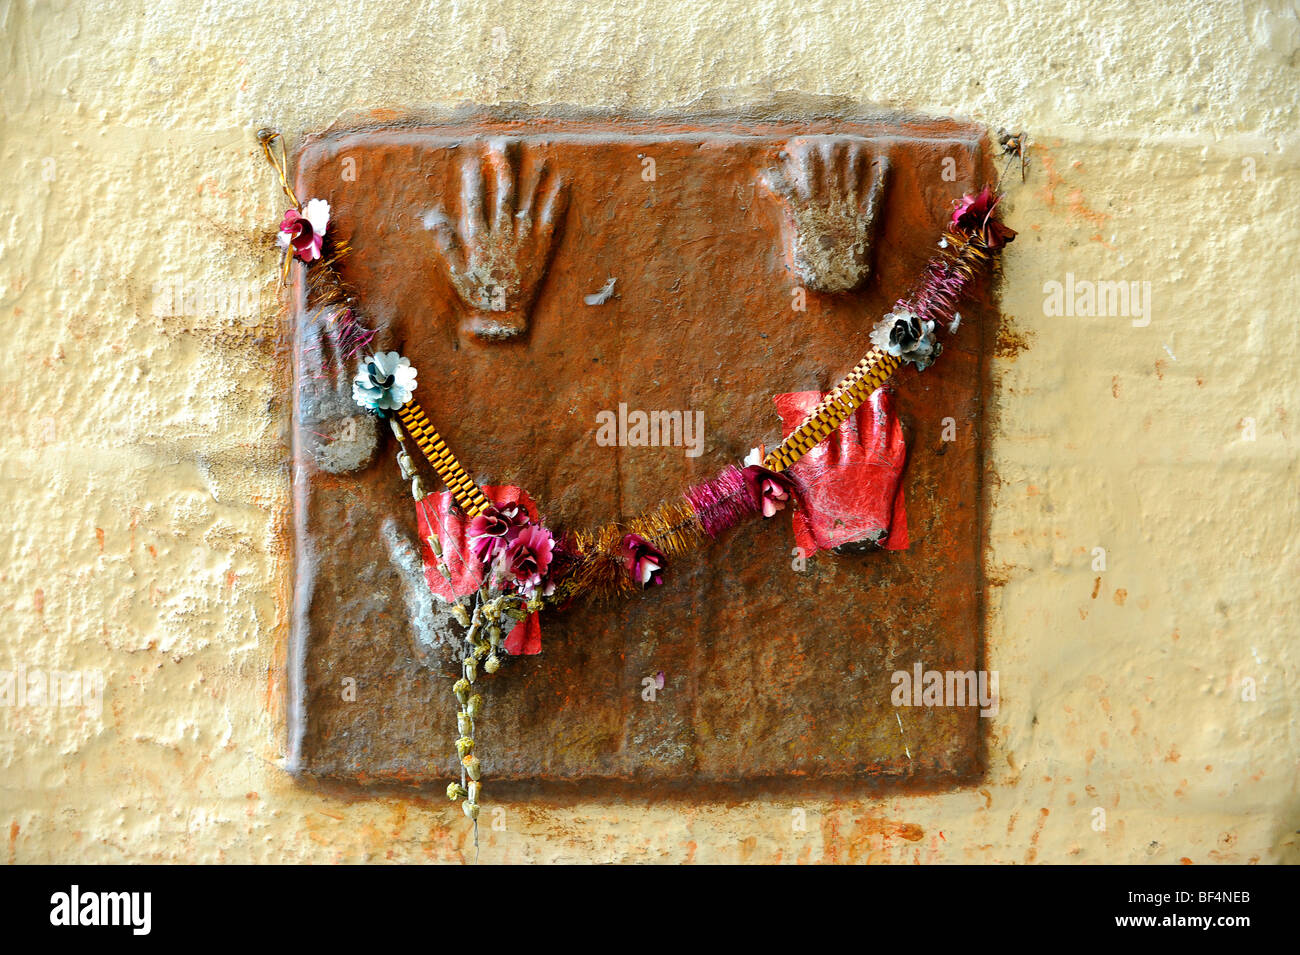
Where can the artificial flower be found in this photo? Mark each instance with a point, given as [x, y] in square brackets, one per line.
[769, 490]
[488, 534]
[530, 556]
[645, 563]
[305, 231]
[973, 214]
[384, 383]
[774, 496]
[904, 335]
[515, 515]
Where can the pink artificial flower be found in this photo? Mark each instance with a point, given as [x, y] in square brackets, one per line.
[774, 497]
[645, 563]
[488, 534]
[530, 556]
[305, 231]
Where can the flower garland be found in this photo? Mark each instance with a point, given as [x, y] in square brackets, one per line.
[518, 565]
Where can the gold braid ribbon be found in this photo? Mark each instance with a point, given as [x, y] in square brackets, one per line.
[469, 496]
[868, 375]
[832, 411]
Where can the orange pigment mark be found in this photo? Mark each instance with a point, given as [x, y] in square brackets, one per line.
[1076, 206]
[1032, 854]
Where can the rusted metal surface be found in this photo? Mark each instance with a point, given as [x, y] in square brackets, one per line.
[769, 673]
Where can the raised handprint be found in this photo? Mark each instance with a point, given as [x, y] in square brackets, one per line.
[339, 436]
[832, 188]
[497, 252]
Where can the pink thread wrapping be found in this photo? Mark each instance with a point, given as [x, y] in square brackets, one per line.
[354, 337]
[723, 502]
[937, 297]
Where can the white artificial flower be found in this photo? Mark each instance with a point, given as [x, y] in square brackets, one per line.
[903, 335]
[882, 334]
[317, 212]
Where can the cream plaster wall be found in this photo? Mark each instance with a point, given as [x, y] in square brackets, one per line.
[144, 481]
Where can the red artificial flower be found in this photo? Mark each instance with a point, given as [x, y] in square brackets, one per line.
[492, 531]
[644, 562]
[974, 215]
[530, 555]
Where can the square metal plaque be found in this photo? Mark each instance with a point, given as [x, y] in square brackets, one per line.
[711, 233]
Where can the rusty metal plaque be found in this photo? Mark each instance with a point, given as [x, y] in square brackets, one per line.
[709, 231]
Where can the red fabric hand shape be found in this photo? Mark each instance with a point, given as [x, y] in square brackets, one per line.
[437, 514]
[851, 482]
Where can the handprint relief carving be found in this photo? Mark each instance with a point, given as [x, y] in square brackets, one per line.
[831, 188]
[339, 436]
[497, 251]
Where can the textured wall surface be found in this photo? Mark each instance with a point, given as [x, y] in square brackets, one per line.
[145, 489]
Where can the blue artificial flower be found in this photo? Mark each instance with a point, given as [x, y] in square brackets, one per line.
[384, 383]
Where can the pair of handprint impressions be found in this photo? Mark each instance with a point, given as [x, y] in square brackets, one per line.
[496, 249]
[496, 239]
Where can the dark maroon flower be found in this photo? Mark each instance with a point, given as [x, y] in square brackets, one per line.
[975, 215]
[516, 515]
[644, 562]
[529, 556]
[769, 490]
